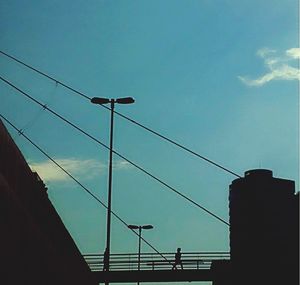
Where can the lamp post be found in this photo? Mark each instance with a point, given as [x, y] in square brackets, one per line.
[140, 228]
[102, 101]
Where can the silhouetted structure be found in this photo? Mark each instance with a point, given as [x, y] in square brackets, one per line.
[221, 272]
[35, 247]
[264, 229]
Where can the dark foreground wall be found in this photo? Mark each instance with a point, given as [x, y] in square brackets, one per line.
[264, 229]
[35, 247]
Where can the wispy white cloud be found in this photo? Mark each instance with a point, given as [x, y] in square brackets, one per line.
[122, 165]
[80, 168]
[294, 53]
[263, 52]
[48, 171]
[279, 66]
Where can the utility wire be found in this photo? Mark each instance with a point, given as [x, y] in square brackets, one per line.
[46, 75]
[115, 152]
[79, 183]
[178, 144]
[126, 117]
[44, 106]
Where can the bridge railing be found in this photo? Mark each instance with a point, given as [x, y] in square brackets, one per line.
[154, 261]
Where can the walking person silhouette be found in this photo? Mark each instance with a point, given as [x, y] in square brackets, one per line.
[178, 260]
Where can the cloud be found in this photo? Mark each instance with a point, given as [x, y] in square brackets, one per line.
[83, 168]
[48, 171]
[294, 53]
[284, 72]
[122, 164]
[265, 51]
[279, 67]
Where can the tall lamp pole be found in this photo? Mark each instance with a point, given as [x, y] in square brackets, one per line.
[102, 101]
[140, 228]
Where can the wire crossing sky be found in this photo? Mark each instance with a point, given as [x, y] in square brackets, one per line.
[114, 151]
[81, 185]
[221, 77]
[123, 116]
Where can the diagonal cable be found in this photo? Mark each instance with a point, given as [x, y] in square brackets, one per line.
[177, 144]
[125, 117]
[77, 181]
[117, 153]
[45, 75]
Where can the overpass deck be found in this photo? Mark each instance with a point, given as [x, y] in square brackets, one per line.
[203, 266]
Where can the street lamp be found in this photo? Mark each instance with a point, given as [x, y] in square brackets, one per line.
[102, 101]
[140, 228]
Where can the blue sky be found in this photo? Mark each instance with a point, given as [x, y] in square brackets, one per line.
[220, 77]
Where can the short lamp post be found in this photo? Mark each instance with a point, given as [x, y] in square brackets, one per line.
[102, 101]
[140, 228]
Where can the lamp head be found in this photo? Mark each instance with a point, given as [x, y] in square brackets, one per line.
[125, 100]
[133, 227]
[147, 227]
[100, 101]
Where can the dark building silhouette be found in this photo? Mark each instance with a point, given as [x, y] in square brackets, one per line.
[35, 247]
[264, 230]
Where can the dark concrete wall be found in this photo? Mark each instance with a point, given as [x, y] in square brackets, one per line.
[35, 247]
[264, 229]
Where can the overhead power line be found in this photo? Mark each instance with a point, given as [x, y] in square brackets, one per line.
[115, 152]
[125, 117]
[46, 75]
[79, 183]
[178, 145]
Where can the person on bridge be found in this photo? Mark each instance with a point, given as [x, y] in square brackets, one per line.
[178, 260]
